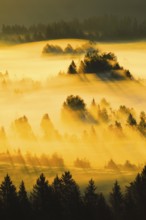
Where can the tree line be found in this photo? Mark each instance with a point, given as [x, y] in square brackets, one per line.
[99, 28]
[62, 199]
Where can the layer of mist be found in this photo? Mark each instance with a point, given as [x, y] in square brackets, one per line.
[52, 122]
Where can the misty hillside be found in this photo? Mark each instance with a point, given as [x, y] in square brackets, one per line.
[36, 11]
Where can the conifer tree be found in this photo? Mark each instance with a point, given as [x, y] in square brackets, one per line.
[9, 199]
[116, 201]
[42, 198]
[24, 204]
[131, 120]
[72, 69]
[90, 199]
[71, 197]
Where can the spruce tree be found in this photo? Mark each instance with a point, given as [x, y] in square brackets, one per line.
[131, 120]
[90, 199]
[71, 197]
[24, 204]
[116, 201]
[42, 198]
[9, 199]
[72, 69]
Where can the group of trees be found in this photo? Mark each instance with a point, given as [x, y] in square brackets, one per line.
[62, 199]
[105, 65]
[55, 49]
[120, 122]
[103, 113]
[100, 28]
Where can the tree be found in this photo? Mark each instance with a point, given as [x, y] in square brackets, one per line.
[142, 123]
[135, 198]
[93, 103]
[109, 56]
[24, 205]
[58, 190]
[90, 199]
[71, 198]
[103, 115]
[131, 120]
[82, 67]
[104, 212]
[116, 201]
[75, 103]
[8, 197]
[42, 198]
[48, 128]
[72, 69]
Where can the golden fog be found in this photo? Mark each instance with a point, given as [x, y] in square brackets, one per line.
[37, 134]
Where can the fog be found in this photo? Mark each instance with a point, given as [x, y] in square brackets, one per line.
[40, 134]
[27, 60]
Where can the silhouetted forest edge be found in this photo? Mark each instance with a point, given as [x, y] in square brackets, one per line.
[100, 28]
[63, 199]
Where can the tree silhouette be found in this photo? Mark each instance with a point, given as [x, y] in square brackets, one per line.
[71, 198]
[135, 197]
[104, 212]
[48, 128]
[41, 198]
[142, 123]
[57, 187]
[63, 200]
[9, 199]
[24, 204]
[131, 120]
[75, 103]
[90, 199]
[72, 69]
[116, 201]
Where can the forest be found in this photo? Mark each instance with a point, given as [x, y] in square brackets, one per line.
[63, 199]
[99, 28]
[72, 110]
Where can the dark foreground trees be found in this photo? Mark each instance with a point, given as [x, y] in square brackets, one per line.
[63, 200]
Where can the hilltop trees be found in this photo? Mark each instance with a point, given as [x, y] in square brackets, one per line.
[104, 65]
[75, 107]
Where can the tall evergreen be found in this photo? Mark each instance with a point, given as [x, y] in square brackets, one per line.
[24, 204]
[90, 199]
[42, 198]
[71, 198]
[58, 190]
[8, 197]
[131, 120]
[104, 211]
[72, 69]
[116, 201]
